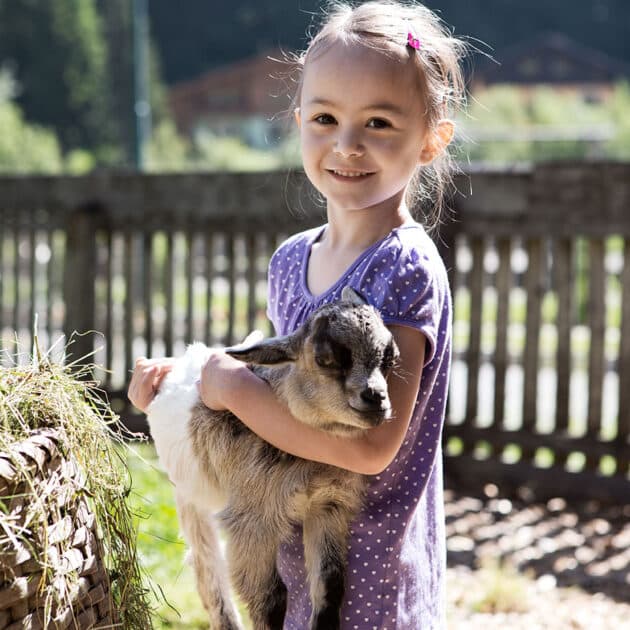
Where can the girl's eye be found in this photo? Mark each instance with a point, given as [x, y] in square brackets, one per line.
[324, 119]
[378, 123]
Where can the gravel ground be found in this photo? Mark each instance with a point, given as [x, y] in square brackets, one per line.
[516, 565]
[543, 607]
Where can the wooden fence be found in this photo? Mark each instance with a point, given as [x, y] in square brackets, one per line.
[540, 270]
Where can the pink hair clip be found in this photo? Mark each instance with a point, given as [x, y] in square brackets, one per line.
[413, 40]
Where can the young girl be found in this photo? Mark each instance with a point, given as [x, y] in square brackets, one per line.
[377, 84]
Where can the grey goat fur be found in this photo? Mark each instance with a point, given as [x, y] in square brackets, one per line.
[331, 373]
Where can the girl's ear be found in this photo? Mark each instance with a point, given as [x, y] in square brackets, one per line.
[437, 141]
[298, 116]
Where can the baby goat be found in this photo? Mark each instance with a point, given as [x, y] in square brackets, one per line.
[331, 373]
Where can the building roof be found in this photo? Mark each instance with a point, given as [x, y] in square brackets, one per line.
[551, 58]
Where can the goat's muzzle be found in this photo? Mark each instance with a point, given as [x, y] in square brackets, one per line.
[373, 407]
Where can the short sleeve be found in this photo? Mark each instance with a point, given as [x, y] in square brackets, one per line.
[272, 289]
[404, 287]
[283, 277]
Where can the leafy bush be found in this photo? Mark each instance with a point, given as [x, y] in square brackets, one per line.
[26, 148]
[507, 124]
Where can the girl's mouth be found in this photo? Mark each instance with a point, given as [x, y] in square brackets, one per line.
[346, 176]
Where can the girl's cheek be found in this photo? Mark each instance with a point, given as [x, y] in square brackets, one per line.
[389, 145]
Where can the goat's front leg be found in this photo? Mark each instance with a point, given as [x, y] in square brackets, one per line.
[325, 552]
[252, 549]
[200, 533]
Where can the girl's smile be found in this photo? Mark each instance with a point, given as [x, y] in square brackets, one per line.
[349, 176]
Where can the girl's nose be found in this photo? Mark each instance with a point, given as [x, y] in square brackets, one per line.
[349, 145]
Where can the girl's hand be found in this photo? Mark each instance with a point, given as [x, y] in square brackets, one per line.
[146, 379]
[219, 376]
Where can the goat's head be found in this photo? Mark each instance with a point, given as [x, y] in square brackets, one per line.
[337, 364]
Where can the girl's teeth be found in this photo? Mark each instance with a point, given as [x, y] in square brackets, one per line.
[345, 174]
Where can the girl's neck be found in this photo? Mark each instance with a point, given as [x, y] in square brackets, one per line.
[357, 230]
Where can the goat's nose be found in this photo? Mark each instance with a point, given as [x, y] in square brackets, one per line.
[373, 396]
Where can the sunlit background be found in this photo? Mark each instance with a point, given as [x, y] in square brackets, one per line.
[113, 84]
[118, 86]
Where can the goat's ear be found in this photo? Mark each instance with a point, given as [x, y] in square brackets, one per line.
[348, 294]
[319, 326]
[267, 352]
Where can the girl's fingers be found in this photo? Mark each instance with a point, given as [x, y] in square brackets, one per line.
[146, 379]
[143, 362]
[161, 373]
[141, 391]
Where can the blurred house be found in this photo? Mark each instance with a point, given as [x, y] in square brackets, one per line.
[553, 60]
[248, 99]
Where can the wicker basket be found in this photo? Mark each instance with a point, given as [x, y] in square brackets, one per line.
[39, 568]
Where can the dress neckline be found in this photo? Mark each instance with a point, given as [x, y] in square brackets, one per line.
[306, 255]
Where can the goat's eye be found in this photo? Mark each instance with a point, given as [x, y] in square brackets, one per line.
[343, 356]
[334, 356]
[325, 360]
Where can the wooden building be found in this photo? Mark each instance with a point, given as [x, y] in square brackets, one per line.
[248, 99]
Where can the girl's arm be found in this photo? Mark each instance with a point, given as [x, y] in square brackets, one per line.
[227, 383]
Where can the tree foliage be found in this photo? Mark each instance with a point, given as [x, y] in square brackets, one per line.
[505, 124]
[59, 58]
[72, 60]
[619, 146]
[210, 34]
[24, 148]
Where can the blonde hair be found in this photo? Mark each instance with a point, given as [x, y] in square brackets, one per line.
[384, 25]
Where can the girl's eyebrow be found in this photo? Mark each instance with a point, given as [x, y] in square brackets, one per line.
[385, 106]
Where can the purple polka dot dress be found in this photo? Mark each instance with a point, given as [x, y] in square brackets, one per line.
[397, 554]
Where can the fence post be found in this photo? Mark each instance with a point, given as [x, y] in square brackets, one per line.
[78, 281]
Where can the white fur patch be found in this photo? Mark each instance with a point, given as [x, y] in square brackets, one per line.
[168, 416]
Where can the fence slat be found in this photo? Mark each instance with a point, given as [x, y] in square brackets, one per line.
[623, 418]
[561, 202]
[48, 289]
[109, 317]
[597, 323]
[2, 273]
[190, 240]
[533, 287]
[168, 293]
[16, 278]
[209, 248]
[79, 274]
[32, 234]
[130, 292]
[503, 284]
[147, 290]
[563, 280]
[252, 279]
[231, 273]
[473, 356]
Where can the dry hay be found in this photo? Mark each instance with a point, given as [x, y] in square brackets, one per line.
[67, 537]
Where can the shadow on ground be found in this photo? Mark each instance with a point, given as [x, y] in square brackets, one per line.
[584, 544]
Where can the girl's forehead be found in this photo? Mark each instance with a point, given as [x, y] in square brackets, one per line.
[349, 70]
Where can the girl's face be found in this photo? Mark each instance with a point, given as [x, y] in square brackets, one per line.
[361, 127]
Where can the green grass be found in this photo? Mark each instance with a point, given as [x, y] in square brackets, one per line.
[160, 548]
[500, 589]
